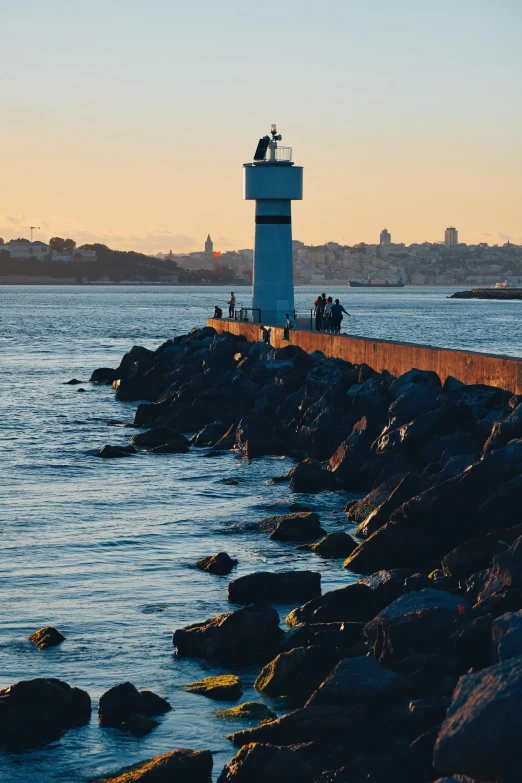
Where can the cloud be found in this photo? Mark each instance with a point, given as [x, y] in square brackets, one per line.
[496, 238]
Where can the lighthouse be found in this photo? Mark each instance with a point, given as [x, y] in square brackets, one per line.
[273, 182]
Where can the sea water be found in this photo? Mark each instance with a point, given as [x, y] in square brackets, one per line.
[105, 550]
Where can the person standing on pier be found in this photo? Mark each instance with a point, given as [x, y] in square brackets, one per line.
[290, 324]
[336, 316]
[231, 304]
[319, 305]
[327, 321]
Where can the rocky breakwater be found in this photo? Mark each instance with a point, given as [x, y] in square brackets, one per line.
[414, 670]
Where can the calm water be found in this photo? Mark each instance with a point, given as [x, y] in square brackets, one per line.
[105, 550]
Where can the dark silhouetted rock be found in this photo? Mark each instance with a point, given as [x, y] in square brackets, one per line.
[242, 637]
[482, 734]
[37, 711]
[211, 434]
[121, 702]
[472, 643]
[297, 673]
[175, 447]
[360, 681]
[415, 399]
[254, 438]
[181, 766]
[309, 477]
[409, 486]
[73, 382]
[227, 687]
[116, 452]
[259, 763]
[504, 431]
[139, 725]
[103, 375]
[354, 602]
[159, 436]
[220, 564]
[46, 637]
[275, 587]
[338, 544]
[134, 389]
[301, 526]
[507, 636]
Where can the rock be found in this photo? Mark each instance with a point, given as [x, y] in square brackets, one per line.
[507, 636]
[211, 434]
[297, 674]
[74, 382]
[414, 399]
[301, 526]
[355, 602]
[159, 436]
[139, 725]
[413, 376]
[122, 702]
[482, 733]
[181, 766]
[257, 763]
[176, 447]
[227, 687]
[220, 564]
[338, 544]
[46, 637]
[504, 431]
[249, 711]
[345, 464]
[359, 510]
[409, 486]
[321, 723]
[103, 375]
[361, 681]
[501, 505]
[309, 477]
[244, 636]
[504, 574]
[412, 603]
[254, 438]
[469, 557]
[148, 413]
[37, 711]
[472, 644]
[422, 631]
[409, 439]
[275, 587]
[134, 389]
[81, 389]
[115, 452]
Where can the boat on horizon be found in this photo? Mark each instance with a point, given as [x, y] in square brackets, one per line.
[369, 284]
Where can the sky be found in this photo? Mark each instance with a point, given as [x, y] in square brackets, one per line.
[128, 123]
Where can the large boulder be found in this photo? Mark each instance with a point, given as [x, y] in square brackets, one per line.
[504, 574]
[354, 602]
[507, 636]
[414, 400]
[259, 763]
[361, 680]
[115, 452]
[104, 375]
[275, 587]
[159, 436]
[37, 711]
[181, 766]
[227, 687]
[255, 438]
[210, 434]
[123, 701]
[46, 637]
[242, 637]
[351, 455]
[335, 545]
[297, 673]
[301, 526]
[482, 734]
[220, 564]
[309, 477]
[425, 377]
[504, 431]
[409, 486]
[133, 389]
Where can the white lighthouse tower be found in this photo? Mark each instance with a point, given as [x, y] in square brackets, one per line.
[273, 182]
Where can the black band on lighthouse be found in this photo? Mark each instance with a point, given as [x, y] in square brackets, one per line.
[273, 219]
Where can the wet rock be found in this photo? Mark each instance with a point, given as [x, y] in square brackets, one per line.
[248, 711]
[103, 375]
[182, 766]
[81, 389]
[360, 681]
[275, 587]
[507, 636]
[227, 687]
[254, 438]
[211, 434]
[309, 477]
[159, 436]
[37, 711]
[139, 725]
[333, 545]
[409, 486]
[73, 382]
[220, 564]
[176, 447]
[297, 673]
[354, 602]
[259, 763]
[351, 454]
[122, 702]
[504, 431]
[301, 526]
[134, 389]
[46, 637]
[116, 452]
[245, 636]
[482, 734]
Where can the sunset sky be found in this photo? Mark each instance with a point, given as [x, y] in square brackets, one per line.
[128, 122]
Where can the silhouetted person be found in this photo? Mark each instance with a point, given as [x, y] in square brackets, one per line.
[265, 333]
[319, 305]
[231, 304]
[290, 324]
[336, 316]
[218, 312]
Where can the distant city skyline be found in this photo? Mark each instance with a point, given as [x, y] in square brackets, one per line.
[133, 128]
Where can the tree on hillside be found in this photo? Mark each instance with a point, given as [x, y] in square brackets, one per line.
[2, 242]
[60, 245]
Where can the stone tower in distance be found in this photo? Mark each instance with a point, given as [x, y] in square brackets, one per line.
[209, 247]
[273, 182]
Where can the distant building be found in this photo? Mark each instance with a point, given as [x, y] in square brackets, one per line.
[209, 247]
[23, 248]
[451, 236]
[385, 238]
[74, 255]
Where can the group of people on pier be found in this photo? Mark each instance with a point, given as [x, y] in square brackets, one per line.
[328, 314]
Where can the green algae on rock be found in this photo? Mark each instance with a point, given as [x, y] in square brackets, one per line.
[183, 766]
[224, 686]
[249, 710]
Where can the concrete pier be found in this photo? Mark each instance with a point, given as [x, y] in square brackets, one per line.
[396, 357]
